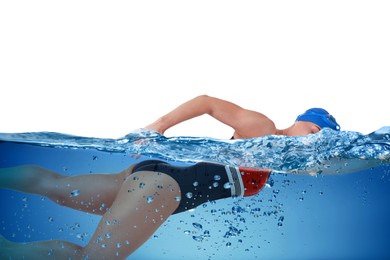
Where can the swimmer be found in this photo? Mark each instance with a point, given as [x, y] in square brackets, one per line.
[141, 198]
[245, 123]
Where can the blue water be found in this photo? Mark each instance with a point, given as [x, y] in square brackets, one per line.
[327, 197]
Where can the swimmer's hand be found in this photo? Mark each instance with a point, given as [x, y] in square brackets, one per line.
[144, 139]
[156, 126]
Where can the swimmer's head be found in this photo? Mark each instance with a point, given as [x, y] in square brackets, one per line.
[320, 117]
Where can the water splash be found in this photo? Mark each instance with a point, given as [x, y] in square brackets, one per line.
[325, 152]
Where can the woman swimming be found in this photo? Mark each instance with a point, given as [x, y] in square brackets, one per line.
[141, 198]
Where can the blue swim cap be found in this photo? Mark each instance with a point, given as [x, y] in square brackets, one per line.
[320, 117]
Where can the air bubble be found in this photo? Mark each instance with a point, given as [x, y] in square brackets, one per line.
[189, 195]
[227, 185]
[217, 177]
[195, 184]
[99, 239]
[237, 209]
[74, 193]
[150, 199]
[82, 236]
[233, 232]
[197, 226]
[198, 238]
[280, 221]
[270, 182]
[215, 184]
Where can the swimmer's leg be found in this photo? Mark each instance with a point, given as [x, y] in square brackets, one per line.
[51, 249]
[144, 202]
[142, 205]
[92, 193]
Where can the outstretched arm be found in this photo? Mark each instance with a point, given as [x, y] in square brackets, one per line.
[246, 123]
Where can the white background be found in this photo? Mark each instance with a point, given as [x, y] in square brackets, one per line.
[105, 68]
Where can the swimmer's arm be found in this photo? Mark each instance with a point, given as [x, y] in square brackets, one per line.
[337, 166]
[241, 120]
[198, 106]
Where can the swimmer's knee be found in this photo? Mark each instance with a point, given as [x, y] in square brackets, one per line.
[38, 178]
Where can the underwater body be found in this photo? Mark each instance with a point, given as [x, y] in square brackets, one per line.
[327, 196]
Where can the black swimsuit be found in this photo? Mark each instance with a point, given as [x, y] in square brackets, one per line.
[206, 181]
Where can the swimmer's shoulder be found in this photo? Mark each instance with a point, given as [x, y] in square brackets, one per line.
[257, 127]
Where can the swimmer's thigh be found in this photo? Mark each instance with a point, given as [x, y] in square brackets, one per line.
[145, 200]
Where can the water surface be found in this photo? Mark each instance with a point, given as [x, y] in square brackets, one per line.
[336, 208]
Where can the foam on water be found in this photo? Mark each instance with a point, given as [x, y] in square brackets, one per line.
[325, 152]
